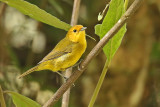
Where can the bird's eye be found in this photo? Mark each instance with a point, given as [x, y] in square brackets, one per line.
[74, 30]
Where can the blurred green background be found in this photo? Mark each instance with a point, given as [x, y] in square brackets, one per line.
[133, 79]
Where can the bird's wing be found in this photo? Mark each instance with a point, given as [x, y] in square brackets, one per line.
[56, 53]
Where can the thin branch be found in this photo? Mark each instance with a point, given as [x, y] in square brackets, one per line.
[66, 95]
[93, 53]
[75, 12]
[74, 19]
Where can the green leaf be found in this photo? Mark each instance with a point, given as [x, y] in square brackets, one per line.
[22, 101]
[36, 13]
[113, 44]
[115, 11]
[97, 29]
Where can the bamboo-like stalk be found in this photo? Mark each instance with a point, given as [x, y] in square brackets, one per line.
[66, 95]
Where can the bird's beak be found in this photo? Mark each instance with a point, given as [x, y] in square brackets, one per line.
[83, 28]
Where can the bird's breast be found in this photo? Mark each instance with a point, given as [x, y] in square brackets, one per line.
[69, 59]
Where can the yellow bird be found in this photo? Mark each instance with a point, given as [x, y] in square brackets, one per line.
[65, 54]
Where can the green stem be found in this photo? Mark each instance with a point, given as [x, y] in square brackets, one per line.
[99, 84]
[2, 101]
[126, 4]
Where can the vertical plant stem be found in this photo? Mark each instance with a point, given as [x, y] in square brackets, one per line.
[75, 12]
[66, 95]
[2, 101]
[74, 19]
[99, 84]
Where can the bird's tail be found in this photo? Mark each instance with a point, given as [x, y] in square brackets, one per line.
[28, 72]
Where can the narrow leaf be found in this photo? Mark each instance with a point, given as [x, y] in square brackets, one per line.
[22, 101]
[36, 13]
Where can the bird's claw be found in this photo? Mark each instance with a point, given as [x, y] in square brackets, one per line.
[65, 78]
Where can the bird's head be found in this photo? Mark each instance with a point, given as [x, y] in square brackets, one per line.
[76, 33]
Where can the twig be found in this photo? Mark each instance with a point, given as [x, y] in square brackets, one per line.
[74, 19]
[2, 101]
[66, 95]
[75, 12]
[93, 53]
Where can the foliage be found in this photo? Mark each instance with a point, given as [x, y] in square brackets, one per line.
[114, 13]
[36, 13]
[22, 101]
[126, 65]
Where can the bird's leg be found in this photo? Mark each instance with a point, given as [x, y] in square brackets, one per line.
[65, 78]
[77, 64]
[79, 69]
